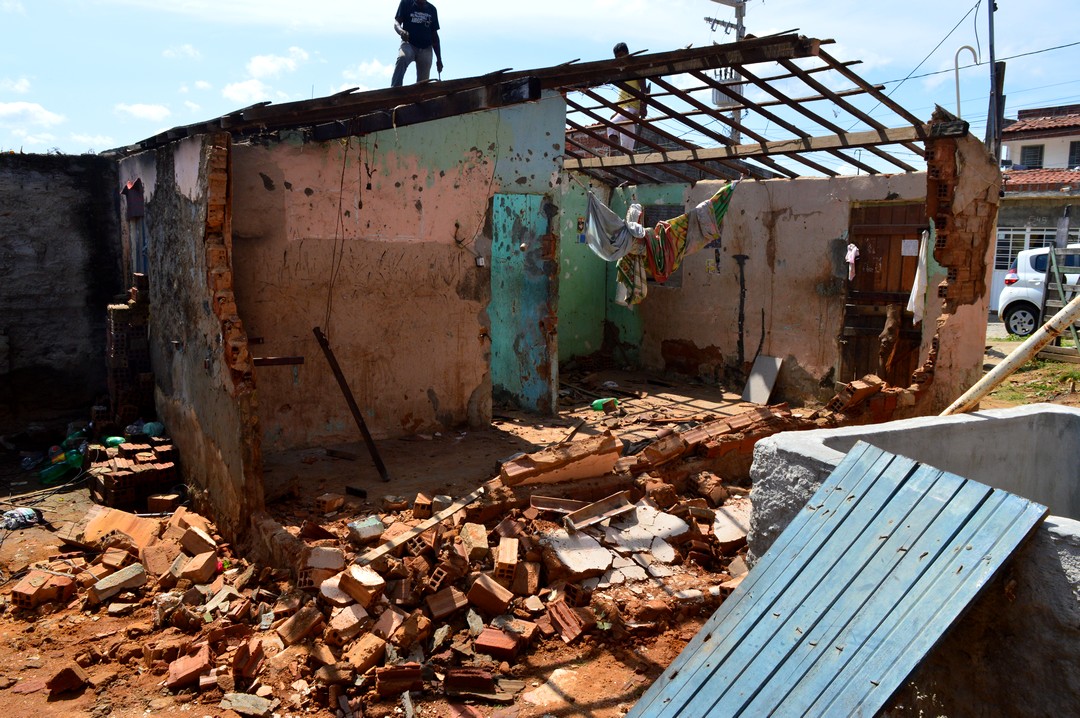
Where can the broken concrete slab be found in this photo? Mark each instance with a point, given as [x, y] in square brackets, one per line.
[247, 704]
[732, 523]
[636, 531]
[131, 576]
[580, 554]
[365, 530]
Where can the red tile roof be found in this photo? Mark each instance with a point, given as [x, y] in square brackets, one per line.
[1043, 123]
[1045, 180]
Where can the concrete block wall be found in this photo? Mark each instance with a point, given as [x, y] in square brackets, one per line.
[59, 269]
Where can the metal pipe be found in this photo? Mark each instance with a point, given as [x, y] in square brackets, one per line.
[358, 417]
[956, 72]
[1019, 356]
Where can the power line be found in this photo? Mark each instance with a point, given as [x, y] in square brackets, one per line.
[980, 64]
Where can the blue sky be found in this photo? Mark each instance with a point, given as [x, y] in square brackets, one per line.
[89, 75]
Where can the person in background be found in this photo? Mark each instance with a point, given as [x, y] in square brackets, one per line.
[630, 107]
[417, 23]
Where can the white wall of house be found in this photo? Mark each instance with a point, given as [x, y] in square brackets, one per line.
[1055, 150]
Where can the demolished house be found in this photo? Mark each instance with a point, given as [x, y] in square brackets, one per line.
[402, 262]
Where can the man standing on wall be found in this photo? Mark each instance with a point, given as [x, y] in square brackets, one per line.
[630, 107]
[417, 22]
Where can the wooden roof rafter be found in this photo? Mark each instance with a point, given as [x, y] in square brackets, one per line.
[862, 147]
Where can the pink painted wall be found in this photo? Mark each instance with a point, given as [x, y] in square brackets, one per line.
[375, 240]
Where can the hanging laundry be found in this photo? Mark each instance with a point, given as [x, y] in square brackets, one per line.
[609, 237]
[850, 257]
[632, 279]
[669, 242]
[705, 220]
[917, 301]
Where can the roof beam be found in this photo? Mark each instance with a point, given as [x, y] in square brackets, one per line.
[502, 94]
[828, 143]
[842, 68]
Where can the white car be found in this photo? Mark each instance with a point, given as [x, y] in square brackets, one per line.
[1021, 299]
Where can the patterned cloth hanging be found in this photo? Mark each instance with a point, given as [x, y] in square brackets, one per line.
[671, 241]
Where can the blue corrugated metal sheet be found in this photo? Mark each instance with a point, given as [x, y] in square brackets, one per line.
[861, 585]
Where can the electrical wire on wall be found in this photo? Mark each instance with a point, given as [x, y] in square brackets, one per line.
[337, 255]
[466, 242]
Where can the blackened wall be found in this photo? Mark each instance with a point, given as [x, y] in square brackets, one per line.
[59, 268]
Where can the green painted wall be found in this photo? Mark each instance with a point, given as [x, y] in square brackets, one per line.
[587, 283]
[583, 293]
[626, 321]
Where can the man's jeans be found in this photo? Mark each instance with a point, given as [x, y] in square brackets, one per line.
[420, 55]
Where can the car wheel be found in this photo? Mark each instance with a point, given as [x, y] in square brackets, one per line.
[1021, 319]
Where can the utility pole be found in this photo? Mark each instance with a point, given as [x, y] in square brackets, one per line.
[727, 74]
[995, 112]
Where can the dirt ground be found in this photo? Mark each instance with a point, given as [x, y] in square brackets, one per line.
[603, 674]
[600, 676]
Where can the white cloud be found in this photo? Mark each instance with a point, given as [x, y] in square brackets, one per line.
[93, 140]
[13, 6]
[246, 92]
[203, 85]
[193, 107]
[274, 65]
[181, 52]
[155, 113]
[367, 71]
[16, 114]
[22, 85]
[44, 138]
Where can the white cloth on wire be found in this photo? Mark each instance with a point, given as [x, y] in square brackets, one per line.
[917, 301]
[608, 236]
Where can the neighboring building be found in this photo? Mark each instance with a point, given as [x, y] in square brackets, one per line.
[1040, 185]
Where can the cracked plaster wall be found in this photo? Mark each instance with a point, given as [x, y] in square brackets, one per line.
[204, 390]
[381, 234]
[794, 234]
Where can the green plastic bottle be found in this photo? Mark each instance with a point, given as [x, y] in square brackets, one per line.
[60, 468]
[605, 404]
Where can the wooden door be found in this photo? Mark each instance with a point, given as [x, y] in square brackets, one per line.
[887, 236]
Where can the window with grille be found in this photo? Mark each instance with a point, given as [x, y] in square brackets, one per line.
[1013, 240]
[1074, 155]
[653, 213]
[1031, 156]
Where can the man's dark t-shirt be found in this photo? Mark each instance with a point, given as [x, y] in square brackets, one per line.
[420, 23]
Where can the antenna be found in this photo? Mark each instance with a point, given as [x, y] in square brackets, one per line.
[727, 75]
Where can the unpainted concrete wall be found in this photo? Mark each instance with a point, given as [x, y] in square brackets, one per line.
[1037, 211]
[375, 240]
[203, 395]
[59, 269]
